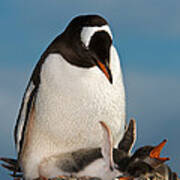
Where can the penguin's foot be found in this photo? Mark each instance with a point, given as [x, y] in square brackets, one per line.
[13, 166]
[124, 178]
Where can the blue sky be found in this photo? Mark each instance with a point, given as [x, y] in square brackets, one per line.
[147, 36]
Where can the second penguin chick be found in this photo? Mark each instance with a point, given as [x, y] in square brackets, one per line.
[150, 155]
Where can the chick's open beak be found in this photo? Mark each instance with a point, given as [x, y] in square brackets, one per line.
[155, 153]
[106, 70]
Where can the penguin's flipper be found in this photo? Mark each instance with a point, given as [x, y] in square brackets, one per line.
[9, 161]
[129, 138]
[25, 114]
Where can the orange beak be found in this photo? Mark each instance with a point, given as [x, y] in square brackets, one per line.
[155, 153]
[106, 70]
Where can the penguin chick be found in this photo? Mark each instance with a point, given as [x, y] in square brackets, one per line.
[150, 155]
[146, 163]
[97, 162]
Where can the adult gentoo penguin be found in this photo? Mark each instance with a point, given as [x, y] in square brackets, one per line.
[76, 83]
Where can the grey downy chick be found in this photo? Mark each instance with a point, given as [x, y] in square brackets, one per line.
[146, 163]
[101, 162]
[105, 162]
[151, 156]
[96, 162]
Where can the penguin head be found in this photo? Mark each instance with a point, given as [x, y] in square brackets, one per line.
[150, 154]
[91, 38]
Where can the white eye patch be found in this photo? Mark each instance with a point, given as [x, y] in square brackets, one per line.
[88, 32]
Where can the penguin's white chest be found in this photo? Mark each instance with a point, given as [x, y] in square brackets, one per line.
[71, 101]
